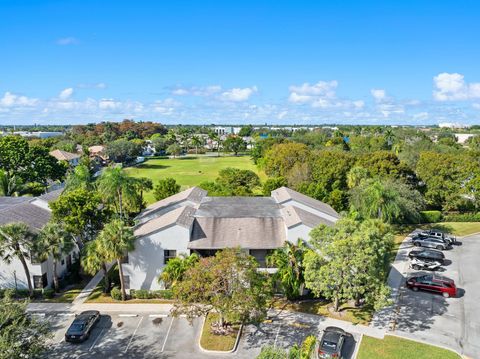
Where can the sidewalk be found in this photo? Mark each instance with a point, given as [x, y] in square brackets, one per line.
[90, 287]
[102, 307]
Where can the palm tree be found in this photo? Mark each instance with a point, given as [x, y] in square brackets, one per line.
[143, 184]
[389, 137]
[95, 259]
[16, 241]
[289, 263]
[10, 185]
[116, 240]
[79, 178]
[176, 268]
[213, 137]
[196, 142]
[55, 241]
[117, 187]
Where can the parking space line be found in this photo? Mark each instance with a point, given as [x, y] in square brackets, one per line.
[96, 339]
[158, 315]
[134, 332]
[276, 336]
[166, 336]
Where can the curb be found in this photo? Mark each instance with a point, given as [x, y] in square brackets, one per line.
[357, 347]
[235, 346]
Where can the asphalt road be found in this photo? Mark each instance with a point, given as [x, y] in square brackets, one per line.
[160, 336]
[451, 322]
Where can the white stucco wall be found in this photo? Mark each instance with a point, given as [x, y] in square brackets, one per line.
[8, 272]
[145, 263]
[299, 231]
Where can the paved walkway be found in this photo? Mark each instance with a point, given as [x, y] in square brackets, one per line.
[90, 287]
[102, 307]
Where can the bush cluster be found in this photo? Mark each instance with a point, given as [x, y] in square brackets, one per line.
[151, 294]
[431, 216]
[116, 294]
[462, 217]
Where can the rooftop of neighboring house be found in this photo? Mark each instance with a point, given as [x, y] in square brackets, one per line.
[249, 222]
[33, 211]
[64, 155]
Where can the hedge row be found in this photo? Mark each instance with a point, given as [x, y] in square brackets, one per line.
[151, 294]
[431, 216]
[462, 217]
[46, 293]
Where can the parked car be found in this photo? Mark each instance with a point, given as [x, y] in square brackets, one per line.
[431, 242]
[435, 233]
[419, 264]
[331, 343]
[429, 255]
[433, 283]
[82, 326]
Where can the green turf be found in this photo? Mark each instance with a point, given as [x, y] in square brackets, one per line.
[392, 347]
[189, 171]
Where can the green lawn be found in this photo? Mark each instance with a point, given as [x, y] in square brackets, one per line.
[398, 348]
[210, 341]
[190, 170]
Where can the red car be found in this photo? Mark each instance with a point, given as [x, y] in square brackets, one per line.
[433, 283]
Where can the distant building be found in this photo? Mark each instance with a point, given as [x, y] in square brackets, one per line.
[464, 137]
[39, 134]
[452, 125]
[98, 154]
[34, 212]
[72, 158]
[191, 222]
[219, 130]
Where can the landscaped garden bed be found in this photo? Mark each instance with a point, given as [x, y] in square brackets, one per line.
[224, 342]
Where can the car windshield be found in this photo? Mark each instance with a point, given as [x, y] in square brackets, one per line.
[76, 327]
[329, 345]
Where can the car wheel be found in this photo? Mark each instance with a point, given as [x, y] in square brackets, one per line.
[446, 295]
[415, 289]
[439, 248]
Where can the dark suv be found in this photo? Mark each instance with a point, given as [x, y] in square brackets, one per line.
[431, 242]
[82, 325]
[429, 255]
[433, 283]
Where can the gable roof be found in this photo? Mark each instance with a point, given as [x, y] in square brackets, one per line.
[23, 211]
[63, 155]
[182, 216]
[285, 194]
[238, 207]
[193, 194]
[294, 216]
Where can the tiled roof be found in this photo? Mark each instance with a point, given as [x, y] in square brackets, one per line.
[238, 207]
[64, 155]
[183, 216]
[294, 216]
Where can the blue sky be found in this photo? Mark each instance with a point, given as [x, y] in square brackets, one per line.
[296, 62]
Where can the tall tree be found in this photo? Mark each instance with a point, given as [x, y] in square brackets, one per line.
[95, 258]
[197, 141]
[116, 240]
[117, 187]
[80, 177]
[21, 334]
[234, 144]
[175, 269]
[10, 184]
[290, 269]
[387, 199]
[54, 241]
[16, 241]
[228, 283]
[165, 188]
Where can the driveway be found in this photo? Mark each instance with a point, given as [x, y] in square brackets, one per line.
[451, 322]
[144, 335]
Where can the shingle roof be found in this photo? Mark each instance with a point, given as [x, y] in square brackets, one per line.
[284, 194]
[252, 233]
[51, 196]
[183, 216]
[23, 211]
[64, 155]
[238, 207]
[194, 194]
[294, 216]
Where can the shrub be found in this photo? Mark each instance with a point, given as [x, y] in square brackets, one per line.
[162, 294]
[431, 216]
[141, 294]
[270, 352]
[116, 293]
[462, 217]
[308, 346]
[48, 293]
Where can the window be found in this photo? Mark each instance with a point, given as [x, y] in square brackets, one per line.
[125, 259]
[40, 281]
[126, 281]
[168, 254]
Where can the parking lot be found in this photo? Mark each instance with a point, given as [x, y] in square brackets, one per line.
[161, 336]
[451, 322]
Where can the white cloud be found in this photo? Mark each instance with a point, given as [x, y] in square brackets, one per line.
[10, 100]
[422, 116]
[238, 94]
[452, 87]
[98, 85]
[67, 41]
[197, 90]
[476, 106]
[321, 88]
[378, 94]
[66, 94]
